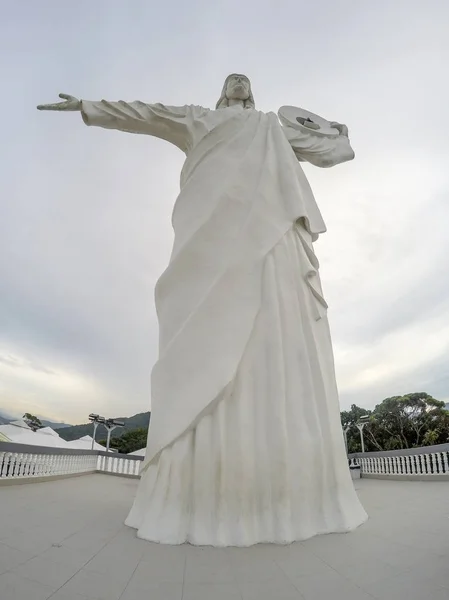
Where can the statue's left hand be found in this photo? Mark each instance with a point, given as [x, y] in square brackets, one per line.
[342, 129]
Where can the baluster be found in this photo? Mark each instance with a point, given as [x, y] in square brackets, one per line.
[4, 464]
[427, 469]
[12, 465]
[445, 462]
[418, 464]
[433, 463]
[17, 465]
[36, 465]
[22, 465]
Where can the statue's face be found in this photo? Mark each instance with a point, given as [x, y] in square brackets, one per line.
[238, 87]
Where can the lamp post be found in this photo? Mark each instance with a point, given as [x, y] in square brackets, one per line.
[110, 425]
[95, 420]
[360, 425]
[345, 435]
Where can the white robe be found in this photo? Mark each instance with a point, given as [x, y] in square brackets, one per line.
[245, 443]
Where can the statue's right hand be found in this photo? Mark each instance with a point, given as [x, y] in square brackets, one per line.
[70, 103]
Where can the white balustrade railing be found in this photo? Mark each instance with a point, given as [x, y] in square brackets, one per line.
[430, 462]
[119, 464]
[18, 461]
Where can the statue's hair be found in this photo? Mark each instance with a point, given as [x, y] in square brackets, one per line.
[223, 102]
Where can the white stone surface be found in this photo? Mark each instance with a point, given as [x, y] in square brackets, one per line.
[244, 388]
[65, 540]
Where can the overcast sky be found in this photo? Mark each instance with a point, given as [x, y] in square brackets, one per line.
[85, 213]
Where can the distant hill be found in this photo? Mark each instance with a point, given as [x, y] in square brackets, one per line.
[55, 425]
[77, 431]
[5, 419]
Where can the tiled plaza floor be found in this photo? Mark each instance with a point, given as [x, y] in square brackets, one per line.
[65, 540]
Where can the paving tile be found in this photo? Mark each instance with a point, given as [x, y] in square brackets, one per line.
[159, 571]
[211, 591]
[67, 556]
[95, 585]
[28, 541]
[408, 586]
[64, 595]
[208, 566]
[157, 591]
[249, 568]
[11, 557]
[15, 587]
[368, 572]
[329, 585]
[86, 542]
[300, 562]
[269, 590]
[45, 571]
[119, 566]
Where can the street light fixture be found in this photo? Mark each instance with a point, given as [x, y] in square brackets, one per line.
[345, 435]
[95, 420]
[110, 425]
[360, 425]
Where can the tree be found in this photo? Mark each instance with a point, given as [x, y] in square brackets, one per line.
[129, 441]
[33, 422]
[408, 421]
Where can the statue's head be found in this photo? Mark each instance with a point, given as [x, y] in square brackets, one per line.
[236, 87]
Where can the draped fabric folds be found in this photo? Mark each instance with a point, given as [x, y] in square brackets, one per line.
[245, 443]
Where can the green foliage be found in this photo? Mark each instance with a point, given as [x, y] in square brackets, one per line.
[138, 421]
[129, 441]
[398, 422]
[32, 421]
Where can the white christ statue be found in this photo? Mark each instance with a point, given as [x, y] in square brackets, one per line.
[245, 443]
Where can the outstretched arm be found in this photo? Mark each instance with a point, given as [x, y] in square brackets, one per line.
[174, 124]
[321, 151]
